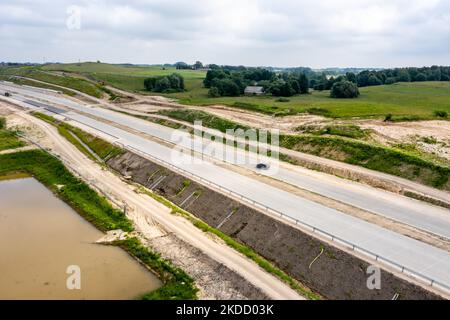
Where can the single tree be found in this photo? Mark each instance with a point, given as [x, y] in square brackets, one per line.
[344, 90]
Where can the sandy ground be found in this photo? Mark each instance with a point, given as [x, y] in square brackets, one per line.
[287, 124]
[142, 107]
[418, 132]
[382, 133]
[430, 136]
[340, 169]
[26, 148]
[219, 271]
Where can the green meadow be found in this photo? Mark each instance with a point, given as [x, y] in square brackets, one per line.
[404, 101]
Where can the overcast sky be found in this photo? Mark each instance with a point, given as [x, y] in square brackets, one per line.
[315, 33]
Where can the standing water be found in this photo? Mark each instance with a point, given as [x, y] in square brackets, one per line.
[41, 236]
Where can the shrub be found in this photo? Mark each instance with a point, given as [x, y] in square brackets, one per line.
[349, 131]
[318, 111]
[388, 117]
[344, 90]
[441, 114]
[226, 87]
[213, 92]
[2, 123]
[430, 140]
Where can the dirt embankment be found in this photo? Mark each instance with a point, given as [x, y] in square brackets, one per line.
[215, 279]
[333, 273]
[431, 137]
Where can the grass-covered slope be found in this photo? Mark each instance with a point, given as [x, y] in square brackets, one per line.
[8, 139]
[334, 146]
[54, 175]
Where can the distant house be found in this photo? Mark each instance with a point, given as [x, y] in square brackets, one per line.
[254, 90]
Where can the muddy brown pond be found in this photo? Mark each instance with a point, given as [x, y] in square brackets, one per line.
[41, 236]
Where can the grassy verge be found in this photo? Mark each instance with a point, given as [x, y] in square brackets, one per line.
[23, 82]
[14, 175]
[62, 79]
[248, 252]
[8, 139]
[62, 130]
[102, 148]
[163, 122]
[348, 130]
[52, 173]
[177, 284]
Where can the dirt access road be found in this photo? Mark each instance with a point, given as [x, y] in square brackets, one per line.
[148, 213]
[145, 105]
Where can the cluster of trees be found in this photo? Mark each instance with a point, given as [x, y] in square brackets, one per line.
[388, 76]
[183, 65]
[288, 84]
[344, 89]
[321, 82]
[224, 81]
[229, 82]
[170, 83]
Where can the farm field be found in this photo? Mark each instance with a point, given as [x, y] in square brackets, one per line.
[406, 101]
[75, 83]
[127, 77]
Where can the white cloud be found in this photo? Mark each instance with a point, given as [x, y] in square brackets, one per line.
[252, 32]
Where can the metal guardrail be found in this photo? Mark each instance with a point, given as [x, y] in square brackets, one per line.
[404, 270]
[374, 256]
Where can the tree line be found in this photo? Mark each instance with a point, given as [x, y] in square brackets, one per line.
[232, 80]
[225, 81]
[184, 66]
[165, 84]
[368, 78]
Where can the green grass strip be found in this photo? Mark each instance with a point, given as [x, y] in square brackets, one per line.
[248, 252]
[379, 158]
[103, 149]
[177, 284]
[98, 211]
[52, 173]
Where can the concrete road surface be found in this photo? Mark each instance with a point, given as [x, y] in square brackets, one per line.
[412, 254]
[400, 208]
